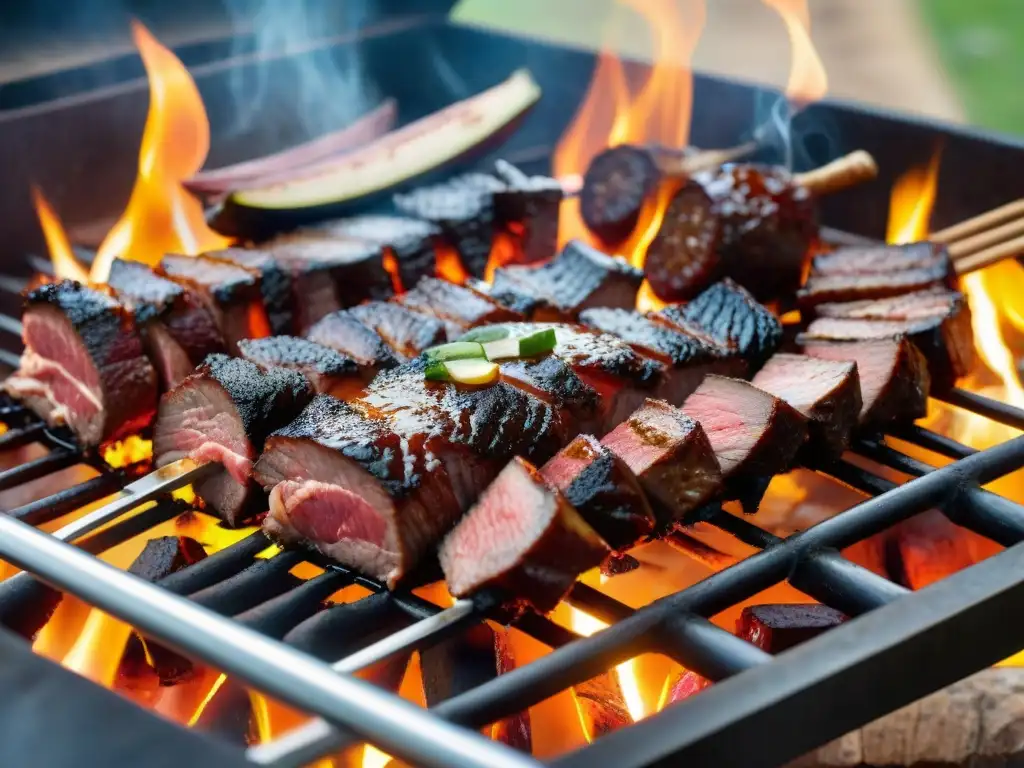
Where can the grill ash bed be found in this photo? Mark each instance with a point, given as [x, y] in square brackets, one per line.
[261, 655]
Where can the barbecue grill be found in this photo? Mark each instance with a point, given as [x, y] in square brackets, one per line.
[897, 647]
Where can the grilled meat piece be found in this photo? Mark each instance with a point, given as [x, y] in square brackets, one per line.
[821, 289]
[327, 370]
[553, 380]
[408, 333]
[231, 293]
[279, 297]
[457, 307]
[177, 329]
[345, 334]
[615, 186]
[84, 364]
[578, 278]
[528, 207]
[511, 296]
[733, 318]
[919, 305]
[754, 435]
[671, 457]
[894, 380]
[223, 412]
[827, 392]
[603, 489]
[880, 259]
[688, 355]
[521, 538]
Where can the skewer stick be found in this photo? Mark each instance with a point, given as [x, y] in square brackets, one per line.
[846, 171]
[986, 239]
[981, 223]
[707, 159]
[988, 257]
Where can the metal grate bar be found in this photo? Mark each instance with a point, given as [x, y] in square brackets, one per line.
[37, 468]
[940, 444]
[984, 406]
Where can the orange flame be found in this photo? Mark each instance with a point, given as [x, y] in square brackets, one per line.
[65, 265]
[161, 215]
[807, 78]
[911, 201]
[97, 652]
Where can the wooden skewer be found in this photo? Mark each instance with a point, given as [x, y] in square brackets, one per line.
[990, 256]
[980, 223]
[846, 171]
[959, 249]
[712, 158]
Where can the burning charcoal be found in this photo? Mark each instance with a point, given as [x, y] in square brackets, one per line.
[615, 186]
[83, 364]
[468, 660]
[822, 289]
[552, 380]
[731, 316]
[878, 259]
[232, 294]
[529, 206]
[603, 489]
[827, 392]
[601, 705]
[509, 295]
[670, 456]
[327, 370]
[408, 333]
[894, 381]
[618, 564]
[457, 307]
[577, 278]
[537, 560]
[778, 627]
[177, 328]
[688, 354]
[343, 332]
[686, 685]
[276, 285]
[754, 435]
[223, 412]
[464, 210]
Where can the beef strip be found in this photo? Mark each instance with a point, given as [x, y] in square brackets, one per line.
[894, 380]
[177, 329]
[688, 355]
[223, 412]
[821, 289]
[327, 370]
[276, 284]
[408, 333]
[876, 259]
[754, 434]
[553, 380]
[918, 305]
[732, 317]
[672, 458]
[84, 364]
[603, 489]
[578, 278]
[827, 392]
[522, 538]
[342, 332]
[231, 293]
[511, 296]
[459, 308]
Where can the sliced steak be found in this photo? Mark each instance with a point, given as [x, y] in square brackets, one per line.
[754, 434]
[688, 355]
[876, 259]
[327, 370]
[603, 489]
[919, 305]
[553, 380]
[345, 334]
[827, 392]
[578, 278]
[177, 329]
[732, 317]
[84, 364]
[822, 289]
[459, 308]
[223, 412]
[671, 456]
[521, 538]
[231, 293]
[894, 381]
[276, 284]
[408, 333]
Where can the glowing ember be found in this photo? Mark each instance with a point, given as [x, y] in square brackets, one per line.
[449, 266]
[128, 451]
[65, 265]
[374, 758]
[807, 79]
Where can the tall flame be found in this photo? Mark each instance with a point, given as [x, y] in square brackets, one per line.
[807, 78]
[911, 201]
[161, 215]
[65, 265]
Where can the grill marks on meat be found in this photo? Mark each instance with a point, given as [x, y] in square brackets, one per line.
[177, 329]
[223, 412]
[522, 538]
[826, 392]
[894, 380]
[671, 456]
[327, 370]
[231, 293]
[345, 334]
[275, 278]
[83, 364]
[577, 278]
[754, 434]
[457, 307]
[603, 489]
[408, 333]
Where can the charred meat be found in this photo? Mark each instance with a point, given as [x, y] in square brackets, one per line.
[615, 186]
[177, 329]
[754, 435]
[827, 392]
[279, 298]
[918, 305]
[408, 333]
[84, 364]
[894, 380]
[327, 370]
[522, 538]
[223, 413]
[457, 307]
[345, 334]
[528, 208]
[552, 380]
[822, 289]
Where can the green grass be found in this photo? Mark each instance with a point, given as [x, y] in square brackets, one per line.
[982, 46]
